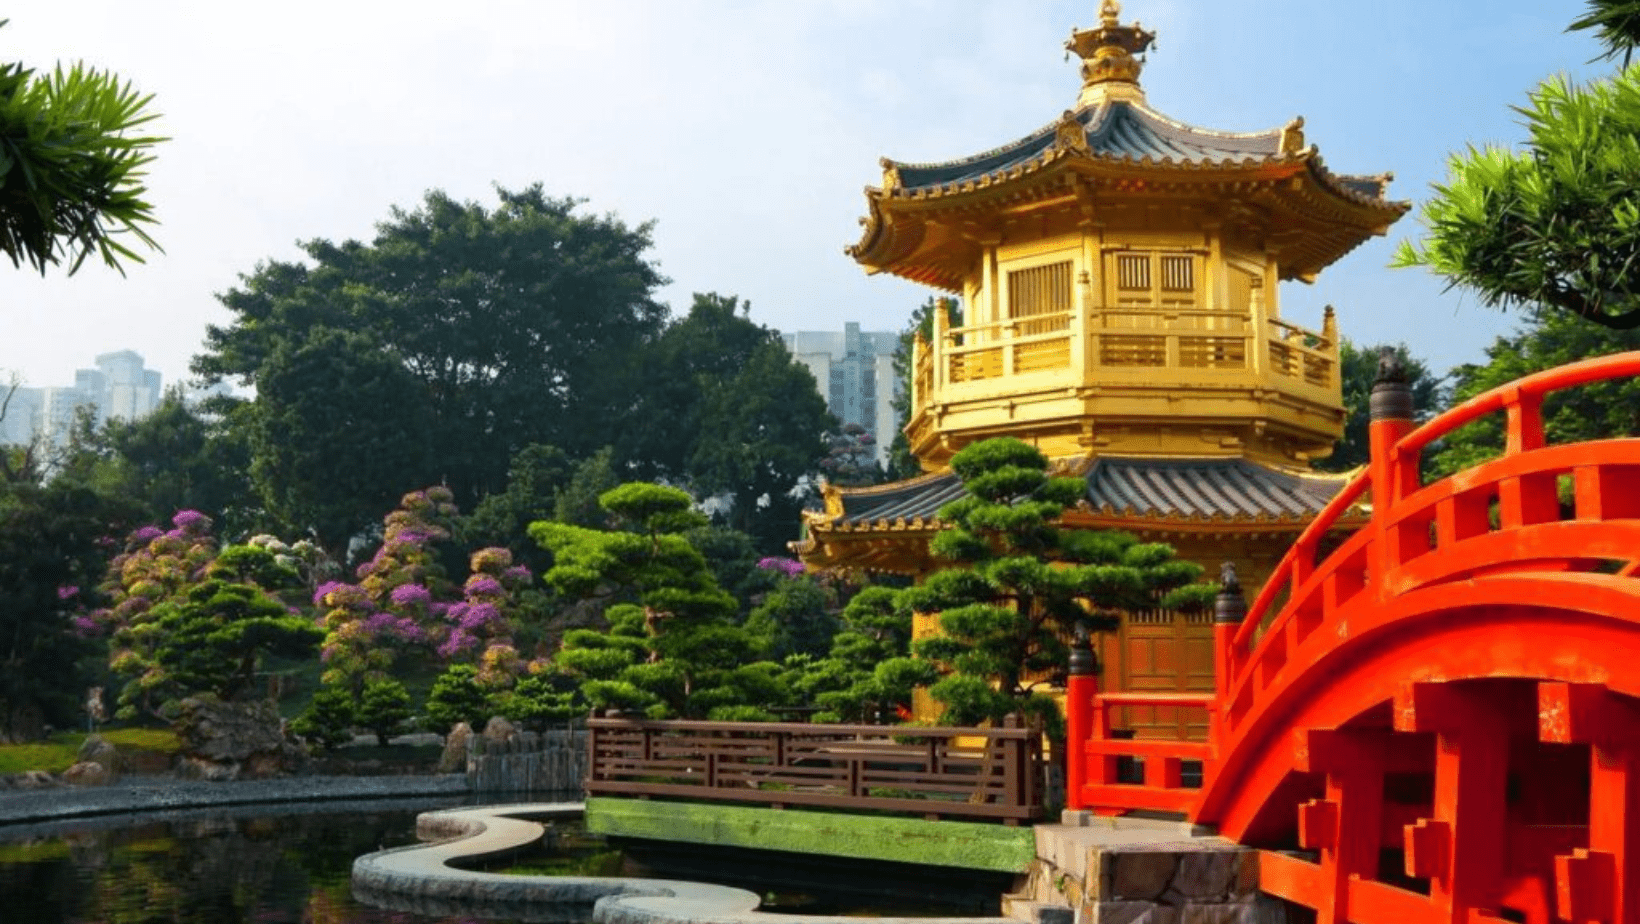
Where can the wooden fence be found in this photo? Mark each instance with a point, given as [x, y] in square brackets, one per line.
[975, 773]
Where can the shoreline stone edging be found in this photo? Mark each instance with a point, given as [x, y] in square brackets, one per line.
[44, 805]
[420, 878]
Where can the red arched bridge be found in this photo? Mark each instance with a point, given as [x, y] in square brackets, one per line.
[1439, 721]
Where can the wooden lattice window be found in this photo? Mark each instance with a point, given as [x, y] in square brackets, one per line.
[1039, 290]
[1178, 274]
[1155, 280]
[1133, 272]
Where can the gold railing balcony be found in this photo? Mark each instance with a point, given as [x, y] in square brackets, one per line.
[1126, 345]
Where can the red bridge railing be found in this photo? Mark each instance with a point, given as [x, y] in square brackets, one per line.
[1521, 488]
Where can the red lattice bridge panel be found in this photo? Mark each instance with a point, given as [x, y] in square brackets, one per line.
[1440, 720]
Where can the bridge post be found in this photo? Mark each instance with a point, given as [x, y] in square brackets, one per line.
[1229, 610]
[1390, 416]
[1081, 686]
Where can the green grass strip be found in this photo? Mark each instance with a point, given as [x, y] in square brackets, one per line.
[961, 844]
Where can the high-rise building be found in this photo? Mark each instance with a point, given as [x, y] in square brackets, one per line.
[855, 372]
[127, 391]
[119, 388]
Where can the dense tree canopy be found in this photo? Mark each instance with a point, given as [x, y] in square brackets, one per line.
[338, 431]
[469, 332]
[1555, 224]
[53, 547]
[72, 162]
[178, 458]
[725, 410]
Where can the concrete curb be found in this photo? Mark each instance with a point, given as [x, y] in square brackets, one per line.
[47, 805]
[420, 878]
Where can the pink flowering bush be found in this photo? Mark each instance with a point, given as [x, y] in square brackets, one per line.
[188, 616]
[403, 605]
[482, 624]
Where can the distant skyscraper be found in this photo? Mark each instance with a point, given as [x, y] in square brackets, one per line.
[120, 388]
[855, 372]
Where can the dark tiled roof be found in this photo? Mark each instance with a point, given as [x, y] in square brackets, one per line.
[909, 500]
[1370, 186]
[1119, 131]
[1205, 488]
[1187, 488]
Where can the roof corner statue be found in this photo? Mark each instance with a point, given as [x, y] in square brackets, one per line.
[1118, 271]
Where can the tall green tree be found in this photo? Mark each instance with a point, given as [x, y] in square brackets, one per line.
[1017, 584]
[177, 458]
[693, 357]
[339, 431]
[1555, 224]
[72, 161]
[514, 324]
[53, 547]
[761, 436]
[724, 409]
[674, 647]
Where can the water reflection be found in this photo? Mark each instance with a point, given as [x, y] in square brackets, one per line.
[203, 867]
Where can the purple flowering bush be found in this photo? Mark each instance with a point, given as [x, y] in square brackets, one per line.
[175, 591]
[387, 614]
[404, 606]
[790, 567]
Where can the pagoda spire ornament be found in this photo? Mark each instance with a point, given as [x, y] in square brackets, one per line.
[1109, 66]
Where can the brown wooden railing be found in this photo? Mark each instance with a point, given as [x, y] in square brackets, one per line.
[975, 773]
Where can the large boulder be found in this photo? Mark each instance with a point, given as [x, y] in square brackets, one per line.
[88, 773]
[237, 740]
[499, 731]
[454, 758]
[99, 750]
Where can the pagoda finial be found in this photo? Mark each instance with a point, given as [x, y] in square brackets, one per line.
[1109, 68]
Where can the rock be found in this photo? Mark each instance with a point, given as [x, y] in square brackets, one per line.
[454, 758]
[1206, 875]
[198, 768]
[31, 779]
[1137, 874]
[499, 731]
[244, 740]
[1217, 913]
[100, 750]
[88, 773]
[1132, 913]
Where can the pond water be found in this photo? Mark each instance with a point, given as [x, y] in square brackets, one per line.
[203, 867]
[291, 864]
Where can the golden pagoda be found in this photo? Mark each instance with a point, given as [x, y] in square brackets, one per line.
[1117, 271]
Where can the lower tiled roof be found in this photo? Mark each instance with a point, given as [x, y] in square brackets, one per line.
[1199, 489]
[1211, 488]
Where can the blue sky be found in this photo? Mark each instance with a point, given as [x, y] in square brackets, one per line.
[745, 129]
